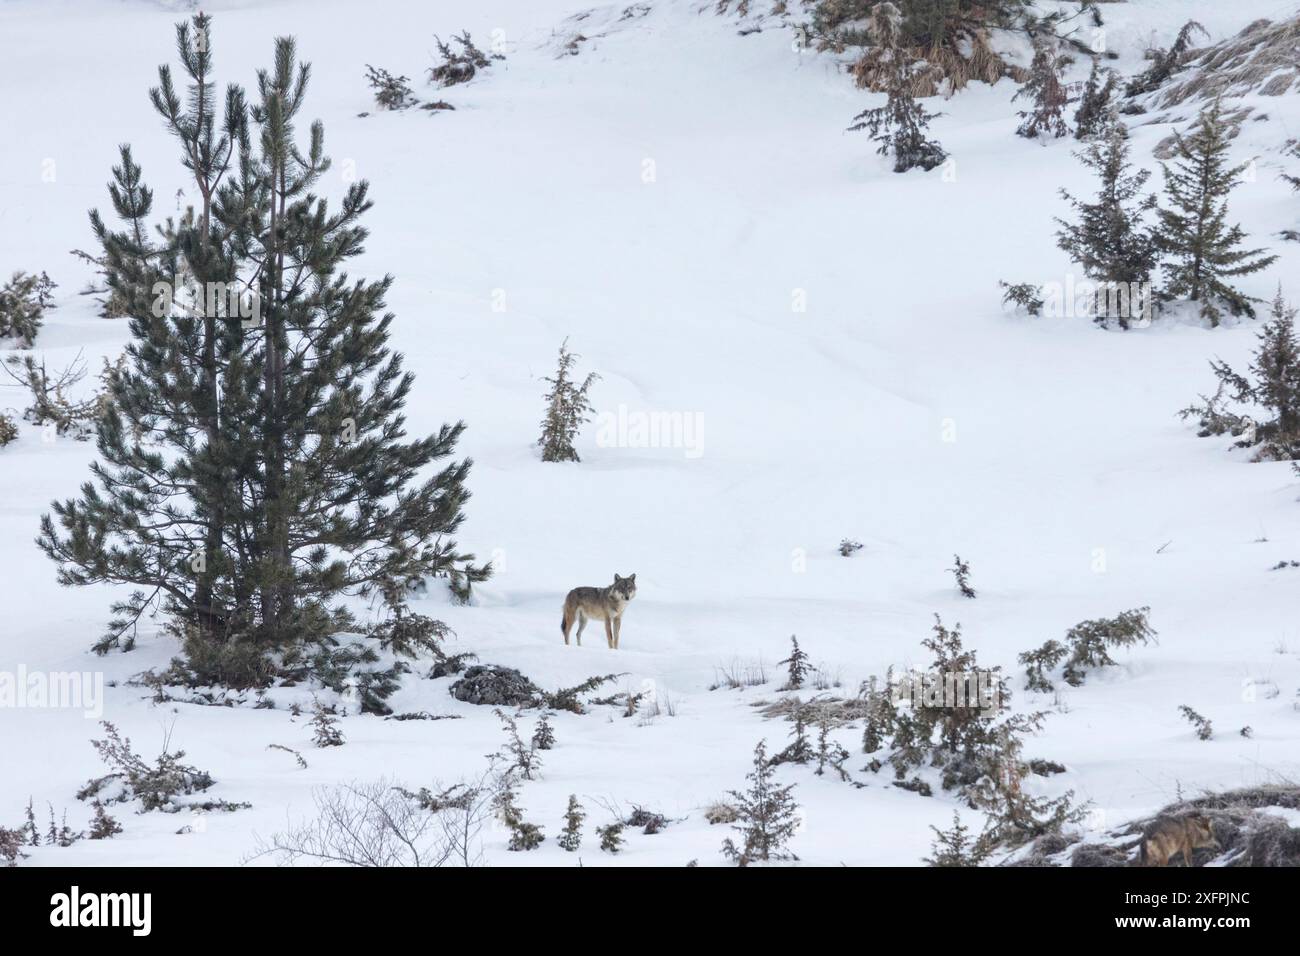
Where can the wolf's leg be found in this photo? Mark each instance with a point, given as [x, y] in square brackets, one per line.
[609, 633]
[582, 624]
[618, 625]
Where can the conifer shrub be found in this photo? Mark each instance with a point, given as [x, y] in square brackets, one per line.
[1048, 94]
[1204, 729]
[570, 837]
[900, 127]
[1087, 646]
[611, 836]
[1095, 102]
[391, 92]
[1023, 295]
[1270, 388]
[1165, 61]
[567, 409]
[798, 666]
[1203, 252]
[23, 302]
[1110, 238]
[955, 847]
[459, 65]
[766, 816]
[157, 785]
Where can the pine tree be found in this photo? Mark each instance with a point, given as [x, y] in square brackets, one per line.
[767, 816]
[1193, 228]
[1094, 103]
[1164, 63]
[570, 837]
[253, 468]
[955, 847]
[23, 301]
[567, 408]
[524, 836]
[1048, 93]
[1273, 384]
[798, 666]
[1110, 239]
[961, 574]
[799, 750]
[1277, 381]
[611, 836]
[900, 125]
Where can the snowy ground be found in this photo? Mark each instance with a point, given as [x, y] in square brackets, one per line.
[1071, 486]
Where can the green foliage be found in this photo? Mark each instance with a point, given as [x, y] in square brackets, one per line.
[1203, 250]
[1039, 662]
[252, 463]
[1094, 103]
[1204, 729]
[524, 836]
[798, 664]
[1090, 641]
[611, 836]
[901, 125]
[325, 727]
[767, 816]
[1023, 295]
[1165, 62]
[570, 837]
[23, 301]
[1109, 238]
[954, 847]
[567, 408]
[391, 92]
[459, 66]
[155, 785]
[1271, 385]
[1047, 92]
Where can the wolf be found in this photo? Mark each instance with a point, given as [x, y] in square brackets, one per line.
[605, 604]
[1172, 837]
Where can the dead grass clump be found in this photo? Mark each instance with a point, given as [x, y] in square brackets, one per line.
[836, 711]
[1263, 58]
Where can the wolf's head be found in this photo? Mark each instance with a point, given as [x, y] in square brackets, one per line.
[1200, 831]
[625, 587]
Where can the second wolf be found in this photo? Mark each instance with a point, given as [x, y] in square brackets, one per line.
[1168, 839]
[603, 604]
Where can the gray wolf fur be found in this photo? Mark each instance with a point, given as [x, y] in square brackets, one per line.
[1172, 837]
[601, 604]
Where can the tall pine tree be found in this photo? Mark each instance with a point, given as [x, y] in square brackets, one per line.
[1204, 250]
[1109, 238]
[255, 469]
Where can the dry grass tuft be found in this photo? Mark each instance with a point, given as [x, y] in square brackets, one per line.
[1263, 58]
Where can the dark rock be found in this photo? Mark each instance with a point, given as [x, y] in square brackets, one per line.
[495, 686]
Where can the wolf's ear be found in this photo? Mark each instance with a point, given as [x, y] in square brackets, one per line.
[632, 578]
[617, 578]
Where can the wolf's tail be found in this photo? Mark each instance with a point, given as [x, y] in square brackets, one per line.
[564, 621]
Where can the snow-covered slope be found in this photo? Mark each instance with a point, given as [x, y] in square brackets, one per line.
[666, 199]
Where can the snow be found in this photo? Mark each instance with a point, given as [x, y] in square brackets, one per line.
[1068, 473]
